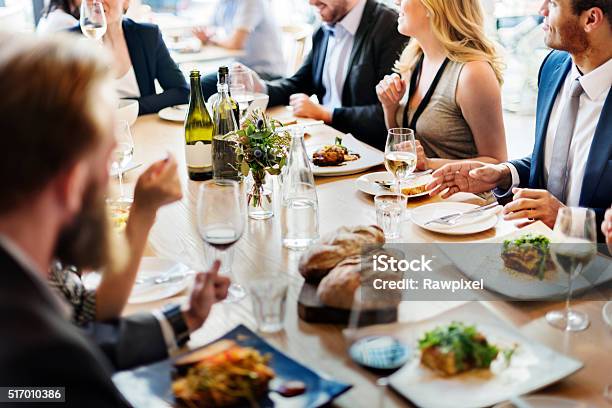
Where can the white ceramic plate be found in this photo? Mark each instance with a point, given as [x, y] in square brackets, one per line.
[484, 262]
[533, 366]
[175, 113]
[367, 182]
[370, 157]
[154, 267]
[537, 401]
[471, 225]
[607, 314]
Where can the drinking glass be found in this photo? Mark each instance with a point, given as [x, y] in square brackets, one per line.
[242, 88]
[92, 20]
[572, 252]
[389, 210]
[269, 296]
[220, 220]
[123, 152]
[400, 155]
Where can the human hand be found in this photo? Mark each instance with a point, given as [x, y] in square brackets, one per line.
[535, 205]
[304, 107]
[606, 228]
[469, 177]
[422, 162]
[390, 91]
[203, 34]
[208, 289]
[157, 186]
[259, 85]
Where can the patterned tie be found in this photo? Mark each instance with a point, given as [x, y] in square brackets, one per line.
[557, 176]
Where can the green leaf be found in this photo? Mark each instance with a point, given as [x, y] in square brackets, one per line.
[244, 168]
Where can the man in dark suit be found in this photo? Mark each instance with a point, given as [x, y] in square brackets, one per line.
[57, 114]
[352, 51]
[571, 163]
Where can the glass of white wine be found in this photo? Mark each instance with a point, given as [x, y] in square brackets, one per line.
[122, 153]
[400, 155]
[573, 249]
[92, 19]
[242, 88]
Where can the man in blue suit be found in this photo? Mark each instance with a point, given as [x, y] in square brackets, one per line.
[571, 163]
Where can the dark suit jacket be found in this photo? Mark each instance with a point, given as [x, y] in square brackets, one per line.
[596, 190]
[151, 60]
[38, 347]
[376, 48]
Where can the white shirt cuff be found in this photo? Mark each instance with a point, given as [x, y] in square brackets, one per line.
[500, 193]
[167, 332]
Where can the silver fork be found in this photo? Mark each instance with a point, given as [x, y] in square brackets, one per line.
[452, 219]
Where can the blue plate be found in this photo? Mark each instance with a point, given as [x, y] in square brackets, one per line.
[149, 386]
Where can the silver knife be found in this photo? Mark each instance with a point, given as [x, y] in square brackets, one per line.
[447, 218]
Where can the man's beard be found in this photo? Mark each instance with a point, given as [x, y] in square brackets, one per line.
[569, 37]
[86, 242]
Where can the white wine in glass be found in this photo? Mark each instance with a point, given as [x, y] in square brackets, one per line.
[123, 151]
[573, 249]
[92, 19]
[400, 155]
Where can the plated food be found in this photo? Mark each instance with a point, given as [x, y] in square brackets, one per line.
[222, 374]
[528, 254]
[456, 348]
[383, 182]
[333, 155]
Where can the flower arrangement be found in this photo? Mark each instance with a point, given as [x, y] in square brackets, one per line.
[261, 149]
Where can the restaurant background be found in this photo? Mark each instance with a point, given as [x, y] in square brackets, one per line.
[513, 24]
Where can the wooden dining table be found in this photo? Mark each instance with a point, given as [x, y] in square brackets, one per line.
[323, 347]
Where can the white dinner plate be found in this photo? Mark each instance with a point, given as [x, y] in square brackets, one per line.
[540, 401]
[369, 157]
[607, 314]
[367, 183]
[471, 225]
[151, 268]
[532, 366]
[175, 113]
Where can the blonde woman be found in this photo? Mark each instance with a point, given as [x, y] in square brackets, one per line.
[447, 84]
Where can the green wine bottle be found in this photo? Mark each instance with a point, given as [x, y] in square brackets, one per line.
[223, 78]
[198, 133]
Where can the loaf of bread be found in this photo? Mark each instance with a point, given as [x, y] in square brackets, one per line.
[336, 246]
[337, 289]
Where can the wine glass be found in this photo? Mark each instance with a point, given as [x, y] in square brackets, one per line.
[220, 219]
[400, 155]
[242, 88]
[572, 251]
[122, 153]
[92, 19]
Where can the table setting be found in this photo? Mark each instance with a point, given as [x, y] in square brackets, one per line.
[291, 312]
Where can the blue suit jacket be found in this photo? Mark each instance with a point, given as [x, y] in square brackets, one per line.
[597, 183]
[151, 60]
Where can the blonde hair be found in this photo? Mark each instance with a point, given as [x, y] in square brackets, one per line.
[459, 26]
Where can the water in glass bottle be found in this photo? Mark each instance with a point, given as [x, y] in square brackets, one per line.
[299, 206]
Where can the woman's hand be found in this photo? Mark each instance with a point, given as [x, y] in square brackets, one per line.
[390, 91]
[157, 186]
[203, 34]
[422, 161]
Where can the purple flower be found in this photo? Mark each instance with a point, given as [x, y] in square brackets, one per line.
[258, 153]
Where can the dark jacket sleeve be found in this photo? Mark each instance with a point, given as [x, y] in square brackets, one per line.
[523, 167]
[368, 120]
[130, 341]
[301, 82]
[171, 79]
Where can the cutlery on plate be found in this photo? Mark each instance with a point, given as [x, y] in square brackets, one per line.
[291, 125]
[164, 278]
[180, 107]
[128, 168]
[388, 184]
[452, 219]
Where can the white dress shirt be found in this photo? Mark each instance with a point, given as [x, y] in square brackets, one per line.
[596, 85]
[339, 47]
[127, 85]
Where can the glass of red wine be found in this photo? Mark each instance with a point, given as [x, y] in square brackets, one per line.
[221, 220]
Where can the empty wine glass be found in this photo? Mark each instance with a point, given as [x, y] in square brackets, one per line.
[123, 152]
[220, 219]
[400, 155]
[573, 249]
[92, 19]
[242, 88]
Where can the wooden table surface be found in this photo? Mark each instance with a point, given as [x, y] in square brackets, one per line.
[323, 347]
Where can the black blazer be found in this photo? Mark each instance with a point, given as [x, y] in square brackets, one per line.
[38, 347]
[377, 46]
[151, 60]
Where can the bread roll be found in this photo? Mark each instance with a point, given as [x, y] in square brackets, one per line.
[336, 246]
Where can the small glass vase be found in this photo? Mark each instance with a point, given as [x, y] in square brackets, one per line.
[259, 190]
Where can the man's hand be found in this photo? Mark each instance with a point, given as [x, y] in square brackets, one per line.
[469, 177]
[259, 85]
[304, 107]
[535, 205]
[209, 288]
[157, 186]
[606, 228]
